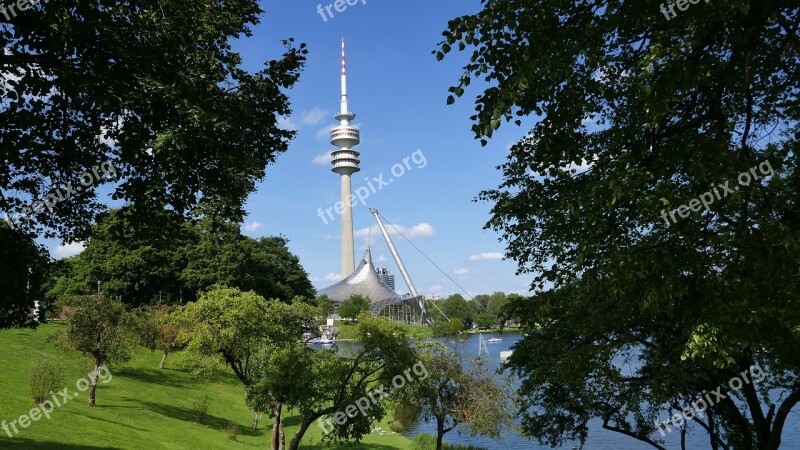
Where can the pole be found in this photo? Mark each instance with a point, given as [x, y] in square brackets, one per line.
[423, 317]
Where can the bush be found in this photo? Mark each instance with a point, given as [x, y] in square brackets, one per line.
[423, 441]
[405, 415]
[45, 377]
[200, 408]
[233, 430]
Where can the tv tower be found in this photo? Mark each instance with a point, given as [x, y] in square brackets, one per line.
[345, 163]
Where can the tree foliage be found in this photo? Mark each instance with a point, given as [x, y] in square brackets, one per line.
[461, 392]
[23, 274]
[153, 88]
[100, 328]
[158, 328]
[237, 325]
[181, 266]
[354, 307]
[336, 383]
[260, 341]
[452, 327]
[629, 114]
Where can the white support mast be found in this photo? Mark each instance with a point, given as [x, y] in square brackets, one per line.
[421, 301]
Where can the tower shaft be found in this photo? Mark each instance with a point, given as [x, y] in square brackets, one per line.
[348, 244]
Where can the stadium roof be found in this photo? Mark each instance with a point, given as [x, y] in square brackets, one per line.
[365, 281]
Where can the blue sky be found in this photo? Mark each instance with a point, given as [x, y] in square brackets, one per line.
[398, 91]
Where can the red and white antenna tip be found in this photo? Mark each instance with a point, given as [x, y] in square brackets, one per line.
[344, 63]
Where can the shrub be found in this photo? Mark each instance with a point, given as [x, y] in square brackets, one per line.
[233, 430]
[423, 441]
[405, 415]
[45, 377]
[200, 408]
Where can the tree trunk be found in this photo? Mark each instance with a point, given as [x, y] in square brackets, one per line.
[256, 419]
[307, 421]
[163, 359]
[439, 432]
[93, 381]
[276, 423]
[282, 436]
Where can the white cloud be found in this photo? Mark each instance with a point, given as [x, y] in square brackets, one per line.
[418, 231]
[381, 258]
[255, 226]
[313, 117]
[323, 133]
[486, 257]
[328, 237]
[435, 288]
[580, 168]
[461, 271]
[323, 159]
[306, 118]
[67, 250]
[329, 278]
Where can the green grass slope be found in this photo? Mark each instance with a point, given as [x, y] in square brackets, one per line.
[141, 407]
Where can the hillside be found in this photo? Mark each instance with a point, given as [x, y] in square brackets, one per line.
[141, 407]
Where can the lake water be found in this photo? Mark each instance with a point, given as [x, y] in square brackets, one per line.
[598, 437]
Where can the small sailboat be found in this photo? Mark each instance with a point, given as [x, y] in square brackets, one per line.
[494, 340]
[482, 348]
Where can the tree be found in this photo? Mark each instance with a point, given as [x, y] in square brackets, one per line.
[168, 107]
[138, 269]
[238, 327]
[100, 328]
[354, 307]
[456, 307]
[485, 320]
[457, 392]
[218, 254]
[452, 327]
[181, 264]
[497, 304]
[282, 377]
[325, 306]
[277, 272]
[505, 310]
[481, 301]
[335, 385]
[635, 115]
[23, 272]
[158, 329]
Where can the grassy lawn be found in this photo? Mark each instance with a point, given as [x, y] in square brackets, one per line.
[141, 407]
